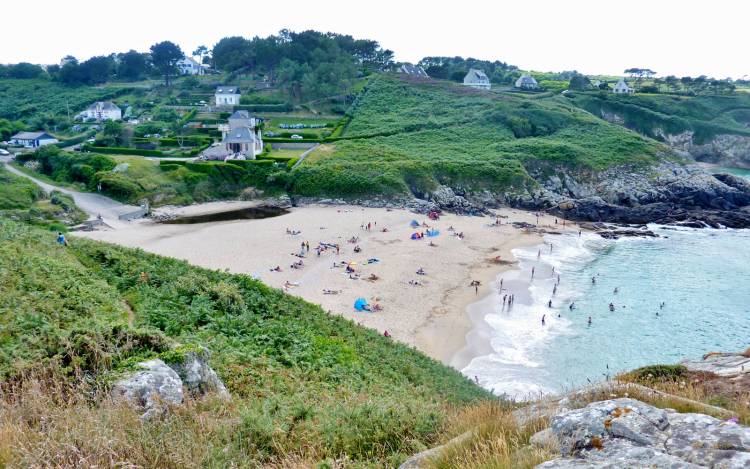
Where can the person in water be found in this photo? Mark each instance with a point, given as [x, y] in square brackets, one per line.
[543, 316]
[572, 306]
[589, 320]
[611, 307]
[549, 304]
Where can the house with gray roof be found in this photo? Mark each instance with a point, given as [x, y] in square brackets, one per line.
[413, 70]
[32, 139]
[526, 82]
[241, 139]
[101, 111]
[622, 88]
[227, 95]
[477, 79]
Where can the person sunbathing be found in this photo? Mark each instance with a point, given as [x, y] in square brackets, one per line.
[357, 248]
[414, 283]
[421, 271]
[377, 307]
[276, 269]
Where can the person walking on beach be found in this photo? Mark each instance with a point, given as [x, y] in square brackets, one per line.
[549, 304]
[543, 316]
[554, 290]
[532, 272]
[539, 254]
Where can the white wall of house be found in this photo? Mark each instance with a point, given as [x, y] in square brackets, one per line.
[35, 143]
[227, 99]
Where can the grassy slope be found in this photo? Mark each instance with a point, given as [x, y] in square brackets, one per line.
[307, 386]
[24, 99]
[24, 200]
[425, 133]
[707, 116]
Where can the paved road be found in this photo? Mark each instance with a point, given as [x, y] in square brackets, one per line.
[92, 204]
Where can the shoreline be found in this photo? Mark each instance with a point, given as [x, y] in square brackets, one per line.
[432, 316]
[516, 280]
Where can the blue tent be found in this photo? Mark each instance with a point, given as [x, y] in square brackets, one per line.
[432, 233]
[414, 223]
[360, 304]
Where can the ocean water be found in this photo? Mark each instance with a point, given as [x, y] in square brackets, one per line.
[701, 276]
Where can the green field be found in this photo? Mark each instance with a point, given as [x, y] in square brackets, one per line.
[307, 386]
[706, 116]
[408, 137]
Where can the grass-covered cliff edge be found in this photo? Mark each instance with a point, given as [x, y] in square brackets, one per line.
[408, 136]
[307, 387]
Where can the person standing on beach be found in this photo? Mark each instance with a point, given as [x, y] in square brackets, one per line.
[532, 272]
[549, 304]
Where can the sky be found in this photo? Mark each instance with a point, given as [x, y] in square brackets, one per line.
[672, 37]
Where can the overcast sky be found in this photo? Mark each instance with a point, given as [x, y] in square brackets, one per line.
[684, 37]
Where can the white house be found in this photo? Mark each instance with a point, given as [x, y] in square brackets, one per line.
[413, 70]
[477, 79]
[227, 96]
[241, 139]
[101, 111]
[189, 66]
[32, 139]
[526, 82]
[622, 88]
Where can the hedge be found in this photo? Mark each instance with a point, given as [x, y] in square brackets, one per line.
[76, 140]
[292, 140]
[286, 107]
[122, 151]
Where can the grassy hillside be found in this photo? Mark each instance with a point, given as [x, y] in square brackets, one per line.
[21, 199]
[410, 135]
[27, 99]
[307, 386]
[706, 116]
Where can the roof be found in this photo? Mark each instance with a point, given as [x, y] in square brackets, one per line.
[240, 115]
[104, 106]
[526, 80]
[622, 84]
[227, 90]
[240, 135]
[410, 69]
[475, 75]
[32, 136]
[189, 59]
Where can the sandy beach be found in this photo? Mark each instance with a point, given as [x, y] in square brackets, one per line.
[431, 316]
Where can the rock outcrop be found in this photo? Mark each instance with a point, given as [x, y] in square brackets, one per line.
[629, 433]
[157, 385]
[726, 365]
[153, 388]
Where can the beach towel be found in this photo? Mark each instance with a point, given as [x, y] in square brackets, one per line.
[360, 304]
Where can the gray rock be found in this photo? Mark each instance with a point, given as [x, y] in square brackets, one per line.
[722, 364]
[152, 388]
[197, 376]
[629, 433]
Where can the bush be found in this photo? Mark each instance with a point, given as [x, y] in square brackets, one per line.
[122, 151]
[658, 373]
[286, 107]
[116, 185]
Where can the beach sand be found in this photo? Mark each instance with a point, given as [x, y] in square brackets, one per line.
[432, 317]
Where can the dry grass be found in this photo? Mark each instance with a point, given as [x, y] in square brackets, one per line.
[46, 424]
[497, 440]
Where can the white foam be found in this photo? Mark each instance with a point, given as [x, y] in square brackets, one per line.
[517, 336]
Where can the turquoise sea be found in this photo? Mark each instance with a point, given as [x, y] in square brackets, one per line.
[701, 276]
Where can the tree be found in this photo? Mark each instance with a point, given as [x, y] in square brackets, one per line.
[165, 56]
[112, 131]
[132, 65]
[24, 70]
[579, 82]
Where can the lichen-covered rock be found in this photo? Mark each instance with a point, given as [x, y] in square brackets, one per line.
[197, 376]
[629, 433]
[152, 388]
